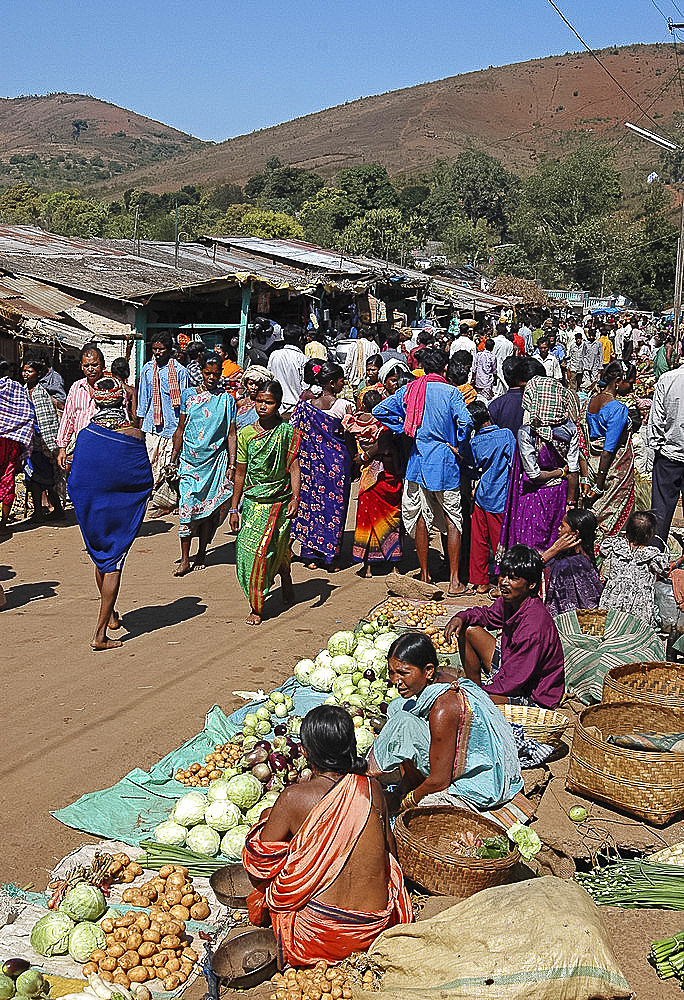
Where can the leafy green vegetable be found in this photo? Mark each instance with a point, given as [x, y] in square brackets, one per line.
[222, 815]
[527, 840]
[203, 840]
[84, 938]
[84, 902]
[233, 842]
[244, 790]
[6, 987]
[341, 642]
[189, 809]
[50, 934]
[170, 833]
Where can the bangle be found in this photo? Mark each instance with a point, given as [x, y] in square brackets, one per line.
[408, 802]
[232, 466]
[233, 510]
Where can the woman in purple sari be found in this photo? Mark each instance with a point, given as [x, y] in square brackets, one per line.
[325, 463]
[545, 473]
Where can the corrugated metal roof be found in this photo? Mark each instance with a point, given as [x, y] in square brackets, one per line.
[39, 298]
[305, 254]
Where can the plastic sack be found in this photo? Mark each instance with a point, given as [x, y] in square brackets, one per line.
[539, 940]
[665, 602]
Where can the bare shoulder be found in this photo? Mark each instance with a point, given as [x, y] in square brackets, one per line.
[446, 708]
[378, 796]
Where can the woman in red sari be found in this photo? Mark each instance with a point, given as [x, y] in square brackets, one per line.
[323, 859]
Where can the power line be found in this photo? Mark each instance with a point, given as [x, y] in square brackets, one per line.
[604, 67]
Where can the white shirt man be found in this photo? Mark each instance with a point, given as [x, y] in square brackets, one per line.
[287, 364]
[550, 361]
[463, 343]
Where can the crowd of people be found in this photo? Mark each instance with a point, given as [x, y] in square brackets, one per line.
[491, 434]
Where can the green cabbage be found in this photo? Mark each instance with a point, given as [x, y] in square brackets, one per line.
[6, 987]
[222, 815]
[324, 659]
[84, 902]
[233, 842]
[322, 679]
[527, 840]
[341, 642]
[385, 640]
[244, 790]
[343, 664]
[303, 669]
[170, 833]
[189, 809]
[364, 740]
[203, 840]
[253, 815]
[50, 934]
[84, 939]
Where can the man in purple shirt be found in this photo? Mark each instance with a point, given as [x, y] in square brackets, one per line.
[531, 670]
[506, 410]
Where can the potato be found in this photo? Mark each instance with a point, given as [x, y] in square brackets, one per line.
[180, 912]
[159, 960]
[200, 911]
[142, 921]
[128, 876]
[107, 925]
[129, 960]
[186, 966]
[172, 896]
[165, 871]
[128, 895]
[89, 969]
[135, 868]
[140, 900]
[154, 925]
[147, 962]
[149, 891]
[120, 934]
[182, 869]
[107, 976]
[121, 978]
[147, 948]
[115, 950]
[133, 941]
[170, 941]
[173, 965]
[108, 964]
[188, 900]
[182, 976]
[151, 937]
[126, 920]
[174, 927]
[176, 879]
[190, 954]
[98, 954]
[171, 982]
[138, 975]
[123, 858]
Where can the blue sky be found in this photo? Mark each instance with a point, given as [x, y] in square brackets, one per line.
[218, 69]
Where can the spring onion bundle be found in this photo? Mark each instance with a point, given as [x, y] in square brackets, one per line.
[668, 957]
[158, 855]
[635, 884]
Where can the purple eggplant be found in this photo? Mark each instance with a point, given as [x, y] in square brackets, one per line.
[262, 772]
[382, 707]
[14, 967]
[292, 745]
[275, 783]
[262, 745]
[369, 674]
[278, 762]
[256, 756]
[280, 729]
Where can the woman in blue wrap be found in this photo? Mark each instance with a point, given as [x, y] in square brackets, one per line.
[445, 735]
[109, 485]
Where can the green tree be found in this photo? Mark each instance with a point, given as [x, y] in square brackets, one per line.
[223, 196]
[468, 242]
[70, 214]
[282, 188]
[324, 216]
[367, 186]
[269, 225]
[381, 232]
[20, 205]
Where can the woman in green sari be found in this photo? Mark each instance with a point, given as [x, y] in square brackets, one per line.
[267, 481]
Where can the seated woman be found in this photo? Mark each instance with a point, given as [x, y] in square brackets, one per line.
[572, 580]
[323, 859]
[451, 743]
[531, 663]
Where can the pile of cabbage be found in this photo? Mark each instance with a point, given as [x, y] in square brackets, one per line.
[74, 927]
[353, 669]
[260, 722]
[218, 821]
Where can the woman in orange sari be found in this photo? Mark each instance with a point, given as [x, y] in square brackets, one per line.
[336, 823]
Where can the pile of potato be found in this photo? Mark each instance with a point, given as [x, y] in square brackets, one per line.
[321, 981]
[141, 947]
[224, 755]
[173, 894]
[424, 616]
[439, 642]
[122, 869]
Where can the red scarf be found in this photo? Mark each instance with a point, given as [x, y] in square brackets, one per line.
[415, 402]
[174, 390]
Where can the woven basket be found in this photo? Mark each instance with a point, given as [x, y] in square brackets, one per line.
[542, 724]
[592, 621]
[656, 683]
[644, 783]
[424, 838]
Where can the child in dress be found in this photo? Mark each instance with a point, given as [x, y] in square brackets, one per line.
[633, 564]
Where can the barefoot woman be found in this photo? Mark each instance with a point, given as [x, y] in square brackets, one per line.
[109, 484]
[267, 482]
[206, 441]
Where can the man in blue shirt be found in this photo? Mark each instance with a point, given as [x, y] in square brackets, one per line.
[434, 414]
[492, 451]
[161, 383]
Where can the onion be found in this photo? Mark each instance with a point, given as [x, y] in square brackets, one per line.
[262, 745]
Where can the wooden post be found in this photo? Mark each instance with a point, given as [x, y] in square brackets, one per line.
[141, 343]
[678, 281]
[244, 316]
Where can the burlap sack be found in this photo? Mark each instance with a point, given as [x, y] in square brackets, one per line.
[539, 940]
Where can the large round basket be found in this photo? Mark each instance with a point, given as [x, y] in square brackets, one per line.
[655, 682]
[425, 845]
[542, 724]
[592, 621]
[644, 783]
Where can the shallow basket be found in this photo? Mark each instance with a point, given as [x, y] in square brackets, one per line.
[654, 682]
[644, 783]
[592, 621]
[542, 724]
[423, 845]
